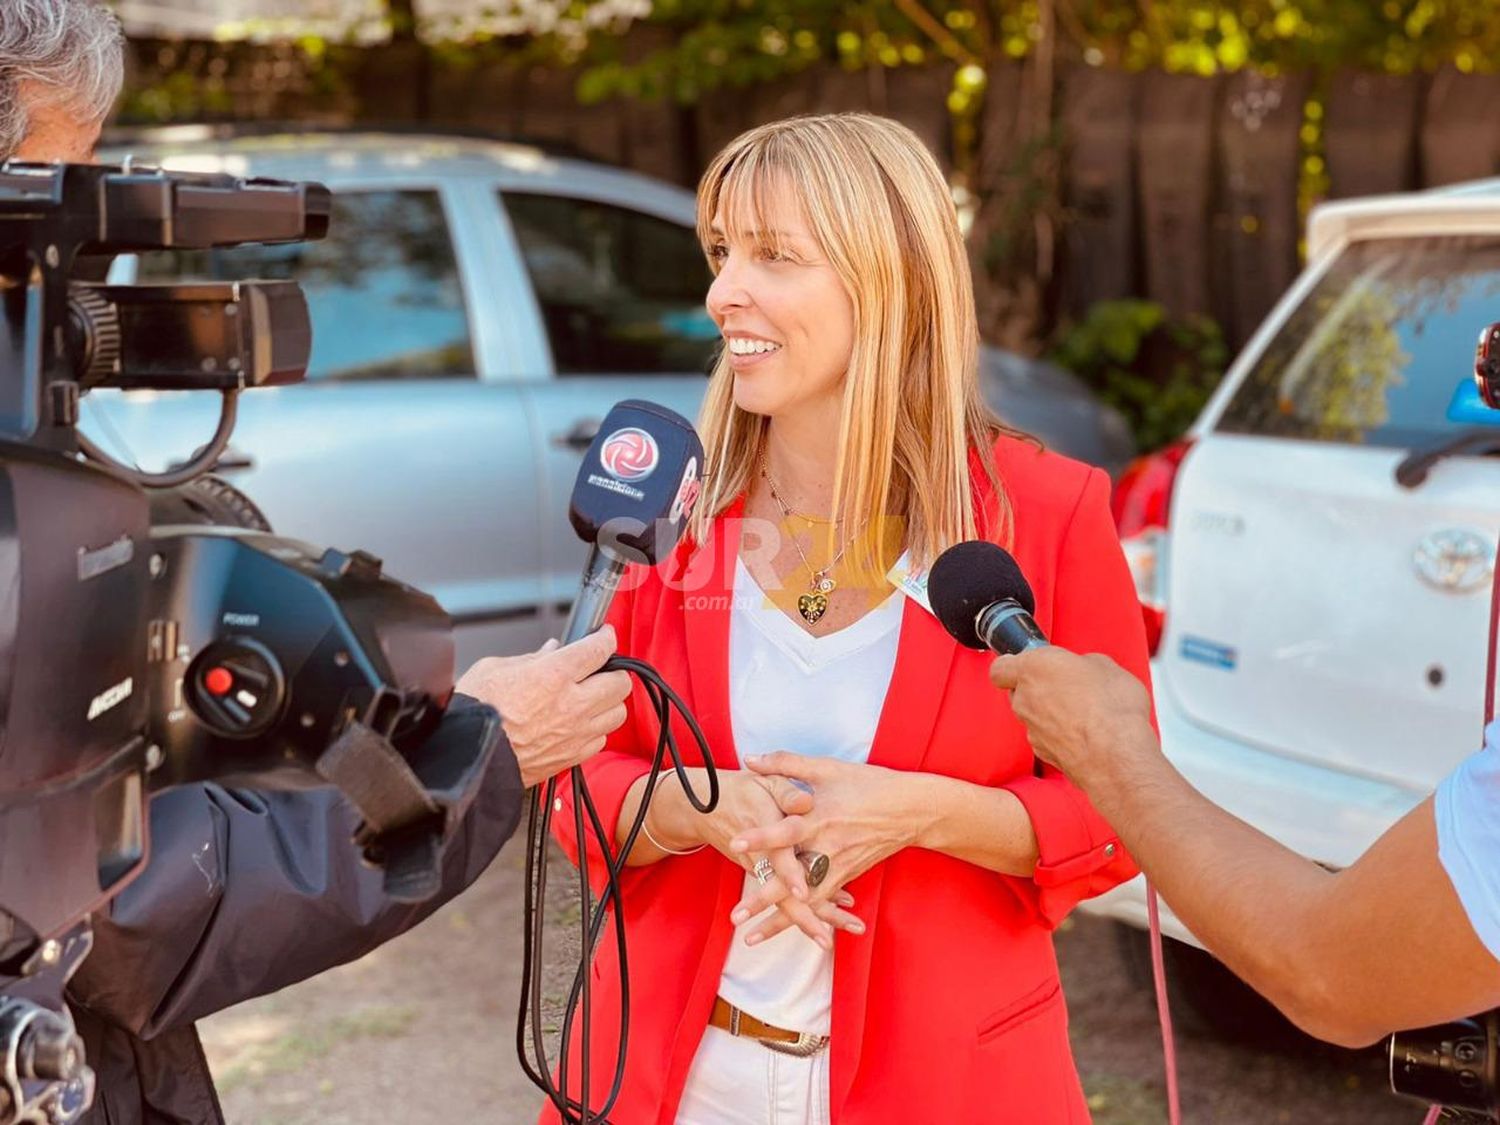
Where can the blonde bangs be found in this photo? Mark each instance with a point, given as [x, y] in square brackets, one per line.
[744, 197]
[877, 204]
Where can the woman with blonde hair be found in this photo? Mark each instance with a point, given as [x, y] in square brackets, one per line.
[861, 931]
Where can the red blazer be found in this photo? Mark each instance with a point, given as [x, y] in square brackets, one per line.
[949, 1007]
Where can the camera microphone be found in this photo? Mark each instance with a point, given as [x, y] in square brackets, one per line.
[981, 597]
[635, 489]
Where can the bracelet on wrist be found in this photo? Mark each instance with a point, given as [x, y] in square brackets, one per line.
[659, 846]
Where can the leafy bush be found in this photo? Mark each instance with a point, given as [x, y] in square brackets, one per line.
[1158, 371]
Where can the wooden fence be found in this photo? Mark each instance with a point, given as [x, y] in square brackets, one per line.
[1181, 189]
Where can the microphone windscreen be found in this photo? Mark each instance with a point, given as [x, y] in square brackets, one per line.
[966, 578]
[638, 482]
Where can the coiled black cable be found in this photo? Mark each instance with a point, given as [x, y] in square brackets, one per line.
[529, 1026]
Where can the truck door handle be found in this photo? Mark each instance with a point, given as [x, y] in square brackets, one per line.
[228, 460]
[232, 459]
[580, 436]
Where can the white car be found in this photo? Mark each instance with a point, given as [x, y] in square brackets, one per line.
[1314, 558]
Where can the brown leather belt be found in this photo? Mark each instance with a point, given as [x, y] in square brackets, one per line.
[729, 1018]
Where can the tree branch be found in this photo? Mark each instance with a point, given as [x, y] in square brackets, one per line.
[988, 43]
[1066, 15]
[402, 15]
[950, 46]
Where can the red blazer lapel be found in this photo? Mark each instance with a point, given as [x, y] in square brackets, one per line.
[707, 587]
[924, 658]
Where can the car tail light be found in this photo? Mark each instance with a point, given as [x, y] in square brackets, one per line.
[1141, 505]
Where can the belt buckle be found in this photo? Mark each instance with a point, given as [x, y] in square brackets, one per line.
[804, 1046]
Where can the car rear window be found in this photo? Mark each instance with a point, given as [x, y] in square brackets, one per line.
[1381, 351]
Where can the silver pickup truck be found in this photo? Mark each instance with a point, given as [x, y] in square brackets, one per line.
[477, 309]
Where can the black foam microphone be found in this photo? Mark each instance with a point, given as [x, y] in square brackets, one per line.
[638, 482]
[980, 595]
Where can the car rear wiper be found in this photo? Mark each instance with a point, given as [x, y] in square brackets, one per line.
[1413, 470]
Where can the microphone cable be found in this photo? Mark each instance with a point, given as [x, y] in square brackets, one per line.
[1163, 1007]
[592, 915]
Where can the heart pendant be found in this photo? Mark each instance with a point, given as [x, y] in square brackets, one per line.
[812, 607]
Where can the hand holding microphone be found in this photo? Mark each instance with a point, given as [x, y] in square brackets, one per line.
[1081, 712]
[634, 492]
[555, 708]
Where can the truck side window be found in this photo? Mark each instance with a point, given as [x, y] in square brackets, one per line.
[383, 287]
[621, 291]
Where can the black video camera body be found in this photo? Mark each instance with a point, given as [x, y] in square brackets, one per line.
[133, 658]
[1452, 1065]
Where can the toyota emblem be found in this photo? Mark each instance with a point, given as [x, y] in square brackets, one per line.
[1455, 560]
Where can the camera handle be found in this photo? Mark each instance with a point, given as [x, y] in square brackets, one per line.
[43, 1077]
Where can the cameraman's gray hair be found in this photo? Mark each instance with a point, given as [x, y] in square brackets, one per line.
[72, 49]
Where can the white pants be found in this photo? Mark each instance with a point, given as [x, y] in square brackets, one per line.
[736, 1081]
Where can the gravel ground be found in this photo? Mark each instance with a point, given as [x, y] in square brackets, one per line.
[423, 1029]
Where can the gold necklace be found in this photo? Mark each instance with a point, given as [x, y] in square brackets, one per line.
[813, 604]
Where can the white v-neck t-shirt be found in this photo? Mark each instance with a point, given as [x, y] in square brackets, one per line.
[816, 696]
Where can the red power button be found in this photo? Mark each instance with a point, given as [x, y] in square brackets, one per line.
[218, 681]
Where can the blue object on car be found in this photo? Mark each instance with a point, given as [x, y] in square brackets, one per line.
[1467, 408]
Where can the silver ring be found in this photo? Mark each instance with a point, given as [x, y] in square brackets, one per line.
[763, 871]
[816, 866]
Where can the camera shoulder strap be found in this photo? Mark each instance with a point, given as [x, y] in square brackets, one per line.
[402, 820]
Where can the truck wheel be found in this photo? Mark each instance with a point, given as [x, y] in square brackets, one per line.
[207, 500]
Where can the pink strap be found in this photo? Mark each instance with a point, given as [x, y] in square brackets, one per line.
[1163, 1011]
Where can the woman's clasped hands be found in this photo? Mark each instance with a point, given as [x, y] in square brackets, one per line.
[856, 815]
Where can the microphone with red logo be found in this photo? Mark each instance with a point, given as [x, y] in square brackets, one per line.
[634, 492]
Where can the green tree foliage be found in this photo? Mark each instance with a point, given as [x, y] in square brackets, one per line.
[1396, 36]
[1159, 372]
[738, 42]
[707, 44]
